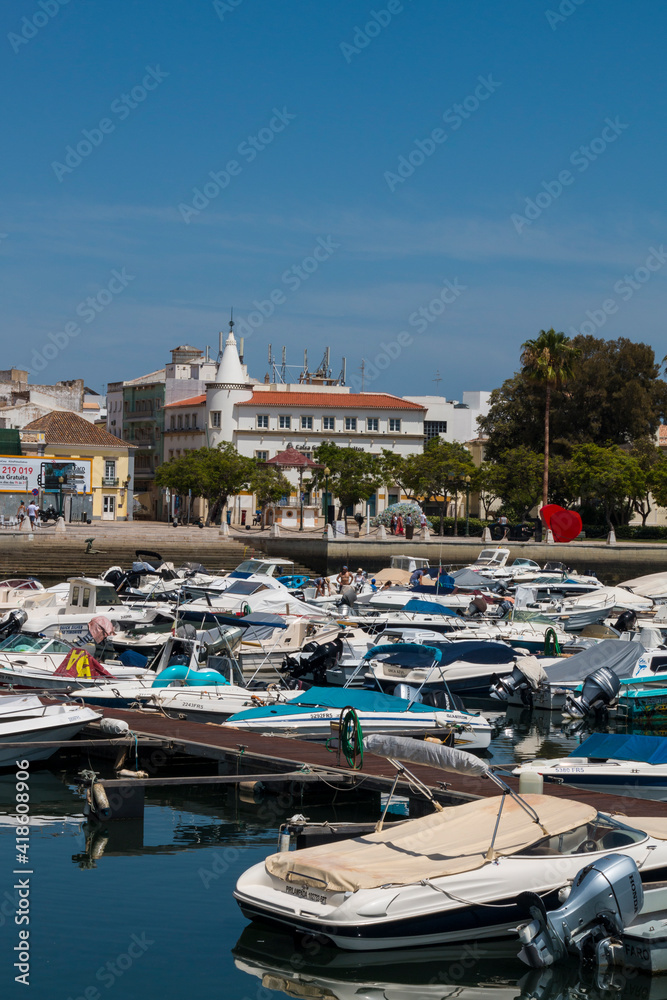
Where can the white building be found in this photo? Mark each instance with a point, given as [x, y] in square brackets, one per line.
[453, 420]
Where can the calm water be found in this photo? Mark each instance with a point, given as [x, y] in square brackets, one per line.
[144, 909]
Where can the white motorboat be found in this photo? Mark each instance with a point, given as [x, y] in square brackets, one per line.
[26, 719]
[310, 715]
[41, 662]
[625, 765]
[467, 668]
[547, 683]
[87, 598]
[452, 876]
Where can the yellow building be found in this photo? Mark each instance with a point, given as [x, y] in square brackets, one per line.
[102, 465]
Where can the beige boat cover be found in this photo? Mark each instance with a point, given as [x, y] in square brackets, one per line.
[446, 843]
[396, 576]
[654, 826]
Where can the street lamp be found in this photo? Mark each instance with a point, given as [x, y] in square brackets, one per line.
[455, 481]
[61, 480]
[325, 499]
[466, 480]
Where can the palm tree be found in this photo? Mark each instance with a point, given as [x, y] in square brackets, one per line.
[549, 359]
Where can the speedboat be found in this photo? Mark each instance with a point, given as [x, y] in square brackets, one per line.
[625, 765]
[26, 719]
[467, 667]
[455, 875]
[311, 714]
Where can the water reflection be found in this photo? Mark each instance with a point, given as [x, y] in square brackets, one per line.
[474, 971]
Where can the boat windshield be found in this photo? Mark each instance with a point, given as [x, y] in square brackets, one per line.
[24, 643]
[603, 834]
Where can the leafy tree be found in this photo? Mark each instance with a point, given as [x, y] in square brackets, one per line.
[653, 464]
[393, 469]
[269, 484]
[516, 480]
[212, 473]
[353, 475]
[441, 468]
[609, 477]
[615, 395]
[549, 360]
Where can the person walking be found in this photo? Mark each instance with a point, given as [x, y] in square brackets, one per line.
[504, 525]
[21, 515]
[392, 524]
[32, 514]
[423, 523]
[399, 525]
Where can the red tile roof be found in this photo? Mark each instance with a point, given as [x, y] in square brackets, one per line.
[326, 400]
[192, 401]
[293, 459]
[63, 427]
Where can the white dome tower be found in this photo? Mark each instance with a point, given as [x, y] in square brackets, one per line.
[230, 387]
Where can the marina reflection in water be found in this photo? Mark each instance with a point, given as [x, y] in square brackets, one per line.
[144, 907]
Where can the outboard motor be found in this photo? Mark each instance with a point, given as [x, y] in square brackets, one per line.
[605, 896]
[12, 623]
[599, 690]
[315, 658]
[625, 621]
[348, 596]
[502, 688]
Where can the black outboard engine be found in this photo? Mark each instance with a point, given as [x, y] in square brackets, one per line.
[315, 658]
[625, 621]
[599, 691]
[502, 688]
[348, 596]
[13, 623]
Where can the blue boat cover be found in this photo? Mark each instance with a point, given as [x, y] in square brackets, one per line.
[618, 746]
[428, 607]
[334, 697]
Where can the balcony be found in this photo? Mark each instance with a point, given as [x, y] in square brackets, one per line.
[108, 481]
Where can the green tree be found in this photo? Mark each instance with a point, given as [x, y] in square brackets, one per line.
[549, 360]
[212, 473]
[353, 475]
[440, 469]
[269, 484]
[609, 477]
[615, 395]
[653, 464]
[393, 469]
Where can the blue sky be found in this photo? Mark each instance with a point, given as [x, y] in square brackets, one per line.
[305, 111]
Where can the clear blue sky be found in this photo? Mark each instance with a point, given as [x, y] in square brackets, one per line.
[333, 110]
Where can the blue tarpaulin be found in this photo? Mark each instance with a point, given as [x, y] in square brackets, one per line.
[428, 607]
[617, 746]
[334, 697]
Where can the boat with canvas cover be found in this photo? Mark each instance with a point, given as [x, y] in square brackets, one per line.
[26, 719]
[447, 877]
[610, 762]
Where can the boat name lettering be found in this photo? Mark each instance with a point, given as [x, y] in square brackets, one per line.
[302, 893]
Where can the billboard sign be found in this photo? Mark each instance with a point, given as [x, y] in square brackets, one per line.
[29, 474]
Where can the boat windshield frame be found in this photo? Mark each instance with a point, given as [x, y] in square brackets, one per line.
[587, 833]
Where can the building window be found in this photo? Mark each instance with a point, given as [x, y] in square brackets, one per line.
[262, 456]
[284, 422]
[350, 423]
[394, 424]
[194, 421]
[306, 423]
[263, 421]
[328, 423]
[433, 428]
[307, 454]
[109, 468]
[372, 424]
[186, 421]
[215, 418]
[172, 422]
[180, 421]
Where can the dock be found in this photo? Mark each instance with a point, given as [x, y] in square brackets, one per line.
[252, 757]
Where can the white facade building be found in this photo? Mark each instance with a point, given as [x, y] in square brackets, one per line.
[453, 420]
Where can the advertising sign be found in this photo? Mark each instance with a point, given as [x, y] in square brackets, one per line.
[29, 474]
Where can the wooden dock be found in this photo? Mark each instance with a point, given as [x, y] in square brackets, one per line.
[252, 754]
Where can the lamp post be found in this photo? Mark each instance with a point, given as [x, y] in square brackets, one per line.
[325, 499]
[301, 498]
[61, 480]
[454, 480]
[466, 480]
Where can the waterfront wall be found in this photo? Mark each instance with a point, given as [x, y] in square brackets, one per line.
[613, 563]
